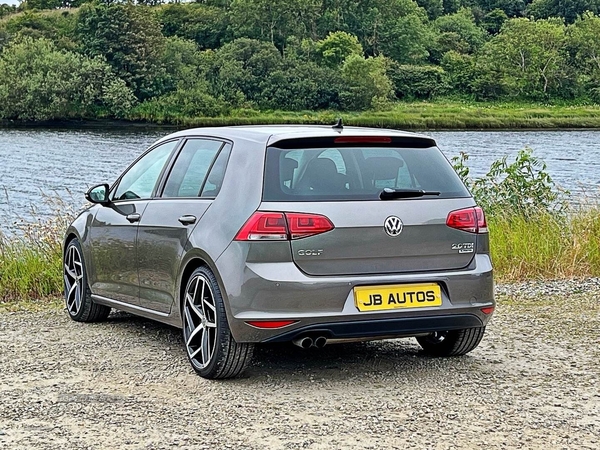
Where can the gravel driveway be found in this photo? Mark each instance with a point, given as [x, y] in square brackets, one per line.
[532, 383]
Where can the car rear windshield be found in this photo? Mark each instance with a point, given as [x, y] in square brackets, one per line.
[356, 173]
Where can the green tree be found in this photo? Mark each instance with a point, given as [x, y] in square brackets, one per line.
[584, 41]
[434, 8]
[337, 46]
[527, 59]
[567, 9]
[40, 82]
[57, 27]
[130, 39]
[274, 21]
[493, 21]
[459, 32]
[237, 69]
[365, 83]
[395, 28]
[206, 25]
[459, 71]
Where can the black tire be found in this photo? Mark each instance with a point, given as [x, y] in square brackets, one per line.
[84, 310]
[451, 343]
[228, 358]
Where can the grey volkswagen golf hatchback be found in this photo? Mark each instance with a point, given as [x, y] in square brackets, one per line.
[306, 234]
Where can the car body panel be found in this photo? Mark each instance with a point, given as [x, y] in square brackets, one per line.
[161, 243]
[114, 259]
[359, 244]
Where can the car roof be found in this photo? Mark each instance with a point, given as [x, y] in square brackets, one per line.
[269, 134]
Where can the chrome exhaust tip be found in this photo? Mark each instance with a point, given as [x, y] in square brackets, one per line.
[304, 342]
[320, 342]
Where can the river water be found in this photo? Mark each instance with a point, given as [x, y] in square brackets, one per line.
[39, 163]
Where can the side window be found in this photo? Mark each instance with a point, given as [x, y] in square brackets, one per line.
[189, 171]
[213, 183]
[139, 181]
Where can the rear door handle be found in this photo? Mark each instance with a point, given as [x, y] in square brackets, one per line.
[187, 219]
[135, 217]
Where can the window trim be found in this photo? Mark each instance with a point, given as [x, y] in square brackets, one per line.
[115, 185]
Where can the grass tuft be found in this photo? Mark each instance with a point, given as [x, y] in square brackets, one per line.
[546, 245]
[31, 259]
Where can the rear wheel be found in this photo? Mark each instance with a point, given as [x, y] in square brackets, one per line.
[451, 343]
[211, 349]
[78, 297]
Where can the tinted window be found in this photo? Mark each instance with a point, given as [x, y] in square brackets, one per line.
[189, 171]
[213, 183]
[139, 181]
[352, 173]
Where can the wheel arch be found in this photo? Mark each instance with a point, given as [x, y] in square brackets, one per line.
[69, 236]
[192, 261]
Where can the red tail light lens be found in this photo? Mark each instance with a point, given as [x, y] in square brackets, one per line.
[471, 220]
[303, 225]
[283, 226]
[264, 226]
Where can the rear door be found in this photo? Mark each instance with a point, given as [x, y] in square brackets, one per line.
[371, 235]
[190, 187]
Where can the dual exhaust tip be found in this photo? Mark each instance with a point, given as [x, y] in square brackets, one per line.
[308, 342]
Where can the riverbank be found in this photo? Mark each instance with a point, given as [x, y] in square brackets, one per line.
[438, 115]
[412, 116]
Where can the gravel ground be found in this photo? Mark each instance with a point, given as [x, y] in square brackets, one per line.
[532, 383]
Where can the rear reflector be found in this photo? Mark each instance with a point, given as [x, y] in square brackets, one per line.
[471, 220]
[283, 226]
[270, 324]
[363, 140]
[487, 310]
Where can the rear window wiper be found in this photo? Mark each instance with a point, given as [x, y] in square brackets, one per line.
[390, 194]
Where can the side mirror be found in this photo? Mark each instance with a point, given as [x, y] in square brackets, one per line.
[98, 194]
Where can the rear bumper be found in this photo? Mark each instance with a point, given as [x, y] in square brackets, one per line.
[380, 328]
[280, 291]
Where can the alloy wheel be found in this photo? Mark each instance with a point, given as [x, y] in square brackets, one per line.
[200, 322]
[73, 275]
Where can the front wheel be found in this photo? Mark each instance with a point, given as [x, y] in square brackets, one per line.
[78, 297]
[451, 343]
[211, 349]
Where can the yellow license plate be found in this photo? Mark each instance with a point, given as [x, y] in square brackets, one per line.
[377, 298]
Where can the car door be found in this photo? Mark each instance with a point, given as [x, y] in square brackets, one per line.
[187, 192]
[113, 231]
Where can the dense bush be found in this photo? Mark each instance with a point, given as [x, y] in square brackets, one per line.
[411, 82]
[40, 82]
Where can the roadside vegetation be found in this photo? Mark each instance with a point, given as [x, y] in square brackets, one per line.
[536, 233]
[393, 63]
